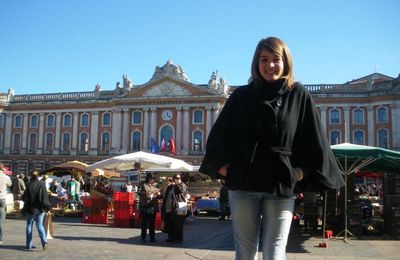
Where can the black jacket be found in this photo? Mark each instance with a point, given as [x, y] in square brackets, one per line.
[263, 134]
[36, 198]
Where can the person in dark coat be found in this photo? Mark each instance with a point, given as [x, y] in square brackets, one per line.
[268, 142]
[36, 204]
[175, 192]
[223, 202]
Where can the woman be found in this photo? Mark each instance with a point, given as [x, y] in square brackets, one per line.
[175, 192]
[148, 198]
[267, 141]
[36, 204]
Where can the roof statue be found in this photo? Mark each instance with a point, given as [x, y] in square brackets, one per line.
[218, 83]
[127, 83]
[171, 70]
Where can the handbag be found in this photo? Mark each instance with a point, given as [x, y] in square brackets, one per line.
[182, 206]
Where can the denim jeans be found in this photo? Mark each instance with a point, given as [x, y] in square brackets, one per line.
[2, 216]
[38, 218]
[249, 211]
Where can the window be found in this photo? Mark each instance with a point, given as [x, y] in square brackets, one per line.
[198, 117]
[17, 142]
[18, 121]
[84, 142]
[358, 116]
[382, 115]
[335, 137]
[85, 120]
[358, 137]
[66, 142]
[1, 121]
[50, 121]
[34, 121]
[49, 142]
[67, 120]
[334, 116]
[136, 137]
[137, 118]
[105, 142]
[383, 138]
[32, 142]
[106, 119]
[197, 141]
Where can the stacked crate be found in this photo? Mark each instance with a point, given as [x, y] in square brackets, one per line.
[87, 204]
[124, 211]
[100, 211]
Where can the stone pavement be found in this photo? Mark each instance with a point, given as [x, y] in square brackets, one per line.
[205, 238]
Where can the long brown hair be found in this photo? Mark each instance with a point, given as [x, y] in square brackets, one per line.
[277, 47]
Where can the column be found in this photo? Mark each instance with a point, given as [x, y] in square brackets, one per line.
[178, 136]
[371, 126]
[323, 117]
[75, 137]
[215, 112]
[125, 130]
[24, 134]
[146, 129]
[7, 135]
[41, 133]
[57, 141]
[208, 122]
[116, 131]
[395, 109]
[94, 132]
[186, 129]
[347, 129]
[153, 122]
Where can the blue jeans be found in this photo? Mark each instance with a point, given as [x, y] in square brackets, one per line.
[249, 211]
[38, 218]
[2, 216]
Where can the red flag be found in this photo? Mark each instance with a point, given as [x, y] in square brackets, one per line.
[172, 145]
[163, 146]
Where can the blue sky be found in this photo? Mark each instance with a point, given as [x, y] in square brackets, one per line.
[53, 46]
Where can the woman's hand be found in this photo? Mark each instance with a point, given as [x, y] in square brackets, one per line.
[299, 173]
[223, 171]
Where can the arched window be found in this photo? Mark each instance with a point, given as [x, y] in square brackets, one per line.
[136, 140]
[382, 115]
[49, 142]
[358, 116]
[32, 142]
[66, 142]
[383, 138]
[84, 142]
[50, 121]
[18, 121]
[85, 120]
[34, 121]
[335, 137]
[17, 142]
[67, 120]
[105, 142]
[197, 140]
[358, 137]
[137, 118]
[334, 116]
[198, 117]
[106, 119]
[166, 134]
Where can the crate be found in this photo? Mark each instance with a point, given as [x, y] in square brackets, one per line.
[100, 217]
[87, 218]
[124, 196]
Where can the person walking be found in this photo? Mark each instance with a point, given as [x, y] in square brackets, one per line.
[175, 192]
[5, 183]
[19, 187]
[148, 204]
[223, 202]
[36, 204]
[268, 141]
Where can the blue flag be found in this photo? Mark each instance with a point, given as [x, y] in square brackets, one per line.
[154, 146]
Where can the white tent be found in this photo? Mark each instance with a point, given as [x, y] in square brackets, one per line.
[148, 161]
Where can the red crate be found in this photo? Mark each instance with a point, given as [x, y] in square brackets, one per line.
[124, 196]
[100, 217]
[100, 203]
[87, 202]
[87, 218]
[158, 221]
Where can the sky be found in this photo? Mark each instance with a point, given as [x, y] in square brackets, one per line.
[51, 46]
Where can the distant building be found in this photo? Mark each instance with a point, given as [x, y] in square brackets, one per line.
[40, 130]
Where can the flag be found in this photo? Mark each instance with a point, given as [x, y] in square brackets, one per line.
[172, 146]
[154, 146]
[163, 145]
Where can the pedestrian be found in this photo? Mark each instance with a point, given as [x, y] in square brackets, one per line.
[5, 183]
[267, 141]
[36, 204]
[223, 202]
[176, 192]
[148, 204]
[19, 187]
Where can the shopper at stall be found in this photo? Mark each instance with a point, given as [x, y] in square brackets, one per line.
[148, 197]
[36, 204]
[19, 187]
[174, 220]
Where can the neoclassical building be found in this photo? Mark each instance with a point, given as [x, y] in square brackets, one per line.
[41, 130]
